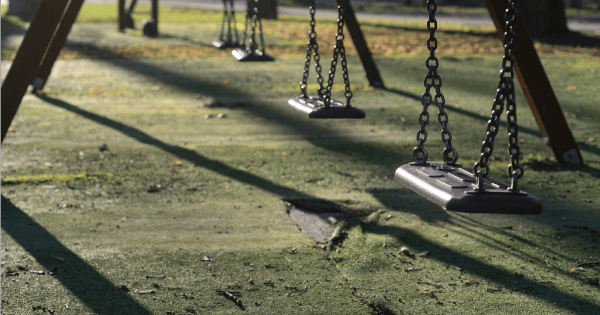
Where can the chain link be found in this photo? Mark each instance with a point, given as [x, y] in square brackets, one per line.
[252, 46]
[504, 93]
[433, 80]
[229, 18]
[233, 21]
[312, 48]
[225, 20]
[246, 22]
[339, 51]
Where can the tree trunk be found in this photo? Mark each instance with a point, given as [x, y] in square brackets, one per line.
[544, 17]
[25, 9]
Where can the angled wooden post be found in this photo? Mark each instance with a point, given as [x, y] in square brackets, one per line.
[155, 12]
[58, 41]
[366, 58]
[29, 57]
[537, 88]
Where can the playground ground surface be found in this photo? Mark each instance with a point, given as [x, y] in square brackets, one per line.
[184, 203]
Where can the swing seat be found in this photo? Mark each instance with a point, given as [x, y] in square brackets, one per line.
[150, 28]
[221, 44]
[453, 188]
[242, 55]
[315, 107]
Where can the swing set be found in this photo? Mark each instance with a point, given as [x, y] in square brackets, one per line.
[446, 183]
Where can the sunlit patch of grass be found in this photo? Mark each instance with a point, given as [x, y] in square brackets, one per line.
[99, 13]
[56, 178]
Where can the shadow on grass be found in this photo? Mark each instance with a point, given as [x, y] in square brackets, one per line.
[495, 274]
[80, 278]
[183, 153]
[311, 131]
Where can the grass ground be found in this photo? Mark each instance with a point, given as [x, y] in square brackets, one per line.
[184, 203]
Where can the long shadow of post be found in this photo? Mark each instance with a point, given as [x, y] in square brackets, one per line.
[183, 153]
[80, 278]
[495, 274]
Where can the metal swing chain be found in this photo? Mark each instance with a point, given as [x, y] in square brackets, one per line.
[339, 51]
[232, 20]
[260, 30]
[312, 47]
[244, 37]
[504, 93]
[225, 20]
[251, 48]
[432, 79]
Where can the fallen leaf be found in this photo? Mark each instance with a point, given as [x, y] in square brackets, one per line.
[591, 139]
[571, 87]
[226, 82]
[405, 144]
[11, 129]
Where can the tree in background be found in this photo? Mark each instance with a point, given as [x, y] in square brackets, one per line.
[544, 17]
[25, 9]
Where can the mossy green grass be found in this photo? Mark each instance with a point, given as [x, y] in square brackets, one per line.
[193, 203]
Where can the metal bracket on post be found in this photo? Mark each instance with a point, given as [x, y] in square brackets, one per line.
[537, 89]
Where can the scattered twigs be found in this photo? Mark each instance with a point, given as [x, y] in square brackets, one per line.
[591, 263]
[585, 227]
[232, 297]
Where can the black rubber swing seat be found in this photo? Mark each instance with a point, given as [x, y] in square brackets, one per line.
[315, 107]
[453, 188]
[221, 44]
[243, 55]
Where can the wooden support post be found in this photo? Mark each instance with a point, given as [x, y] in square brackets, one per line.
[56, 45]
[121, 16]
[29, 57]
[155, 12]
[131, 6]
[537, 88]
[366, 58]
